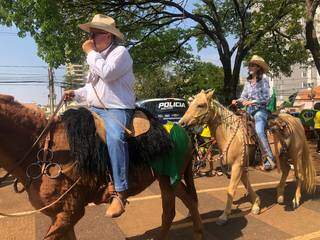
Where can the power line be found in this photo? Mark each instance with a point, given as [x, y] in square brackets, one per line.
[16, 66]
[29, 73]
[26, 66]
[8, 32]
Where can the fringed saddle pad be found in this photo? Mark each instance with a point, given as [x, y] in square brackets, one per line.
[279, 126]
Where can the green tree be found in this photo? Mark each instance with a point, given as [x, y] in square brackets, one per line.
[311, 35]
[233, 27]
[197, 76]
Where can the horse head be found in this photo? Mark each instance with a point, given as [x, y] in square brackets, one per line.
[6, 98]
[198, 111]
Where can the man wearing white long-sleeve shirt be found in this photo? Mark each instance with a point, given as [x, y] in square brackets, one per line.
[109, 92]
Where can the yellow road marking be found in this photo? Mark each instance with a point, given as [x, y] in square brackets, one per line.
[134, 199]
[157, 196]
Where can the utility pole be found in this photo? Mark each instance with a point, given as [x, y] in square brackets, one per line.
[51, 96]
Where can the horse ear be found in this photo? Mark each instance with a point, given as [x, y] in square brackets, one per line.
[210, 93]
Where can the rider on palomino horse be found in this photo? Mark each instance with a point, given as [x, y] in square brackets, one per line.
[255, 96]
[109, 92]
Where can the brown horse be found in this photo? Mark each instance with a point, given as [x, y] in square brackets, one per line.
[20, 126]
[229, 132]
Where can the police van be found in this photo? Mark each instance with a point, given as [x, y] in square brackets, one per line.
[165, 109]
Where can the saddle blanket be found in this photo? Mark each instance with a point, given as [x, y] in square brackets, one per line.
[171, 163]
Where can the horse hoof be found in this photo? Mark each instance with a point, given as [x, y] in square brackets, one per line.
[221, 222]
[295, 204]
[280, 200]
[255, 210]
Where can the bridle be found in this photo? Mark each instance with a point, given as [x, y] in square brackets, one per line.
[43, 133]
[204, 117]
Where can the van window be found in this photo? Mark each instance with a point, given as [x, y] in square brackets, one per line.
[166, 109]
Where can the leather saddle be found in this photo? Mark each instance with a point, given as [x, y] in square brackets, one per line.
[277, 131]
[140, 124]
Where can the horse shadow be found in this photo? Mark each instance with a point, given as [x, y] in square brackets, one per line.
[182, 229]
[268, 197]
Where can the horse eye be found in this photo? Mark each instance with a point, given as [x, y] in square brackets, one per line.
[202, 105]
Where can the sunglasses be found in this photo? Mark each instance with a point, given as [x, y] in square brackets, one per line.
[94, 34]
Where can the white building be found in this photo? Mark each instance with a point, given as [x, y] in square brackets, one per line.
[77, 72]
[302, 77]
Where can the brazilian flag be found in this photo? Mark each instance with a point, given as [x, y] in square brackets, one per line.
[272, 104]
[171, 163]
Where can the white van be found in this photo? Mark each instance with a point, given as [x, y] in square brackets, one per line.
[165, 109]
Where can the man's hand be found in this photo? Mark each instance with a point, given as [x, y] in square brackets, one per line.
[88, 46]
[234, 102]
[69, 95]
[247, 102]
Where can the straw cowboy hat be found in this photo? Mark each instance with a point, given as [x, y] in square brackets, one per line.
[260, 62]
[104, 23]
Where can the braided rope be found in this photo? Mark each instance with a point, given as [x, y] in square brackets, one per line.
[228, 145]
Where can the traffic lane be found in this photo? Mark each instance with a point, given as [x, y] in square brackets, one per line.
[275, 222]
[143, 217]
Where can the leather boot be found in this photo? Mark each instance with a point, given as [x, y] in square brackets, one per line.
[268, 164]
[117, 206]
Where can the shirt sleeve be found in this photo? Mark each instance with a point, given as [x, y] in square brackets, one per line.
[244, 94]
[117, 63]
[80, 94]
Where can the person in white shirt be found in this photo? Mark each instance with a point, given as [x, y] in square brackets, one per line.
[109, 92]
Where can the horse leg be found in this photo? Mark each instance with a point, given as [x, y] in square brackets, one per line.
[255, 199]
[285, 167]
[189, 201]
[63, 227]
[297, 196]
[168, 206]
[236, 174]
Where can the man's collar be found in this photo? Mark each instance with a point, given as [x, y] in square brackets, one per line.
[107, 49]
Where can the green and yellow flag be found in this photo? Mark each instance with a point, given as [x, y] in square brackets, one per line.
[272, 104]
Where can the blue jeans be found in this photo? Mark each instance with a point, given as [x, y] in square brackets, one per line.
[261, 120]
[117, 143]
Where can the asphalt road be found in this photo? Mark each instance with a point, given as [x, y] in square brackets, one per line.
[142, 218]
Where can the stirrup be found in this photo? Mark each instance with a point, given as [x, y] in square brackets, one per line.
[122, 201]
[122, 206]
[271, 165]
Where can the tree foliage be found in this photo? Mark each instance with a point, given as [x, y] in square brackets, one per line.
[311, 34]
[179, 81]
[235, 28]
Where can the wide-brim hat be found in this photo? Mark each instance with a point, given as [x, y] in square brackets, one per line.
[103, 22]
[260, 62]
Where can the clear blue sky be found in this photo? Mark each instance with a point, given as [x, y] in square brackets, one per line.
[19, 62]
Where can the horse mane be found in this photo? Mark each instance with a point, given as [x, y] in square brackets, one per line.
[227, 117]
[31, 118]
[92, 154]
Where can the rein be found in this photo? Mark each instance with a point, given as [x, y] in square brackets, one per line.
[44, 131]
[45, 207]
[225, 151]
[46, 151]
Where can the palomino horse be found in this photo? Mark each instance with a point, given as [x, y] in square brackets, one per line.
[20, 126]
[228, 130]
